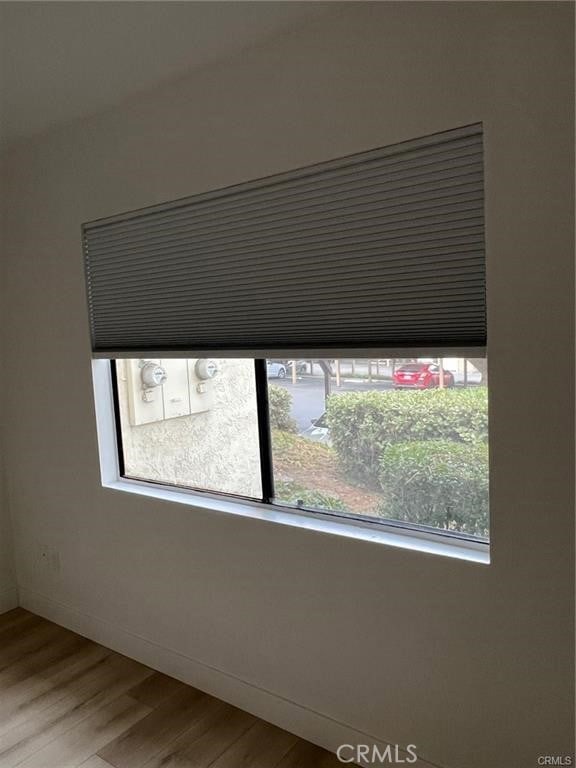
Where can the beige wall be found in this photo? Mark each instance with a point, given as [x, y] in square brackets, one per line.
[8, 589]
[473, 664]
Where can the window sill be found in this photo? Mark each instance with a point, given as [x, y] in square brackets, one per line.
[414, 540]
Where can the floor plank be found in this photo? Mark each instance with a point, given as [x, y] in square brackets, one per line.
[155, 732]
[12, 636]
[305, 755]
[200, 723]
[95, 762]
[156, 689]
[26, 699]
[261, 746]
[202, 746]
[77, 744]
[67, 702]
[8, 616]
[19, 645]
[16, 617]
[103, 682]
[43, 660]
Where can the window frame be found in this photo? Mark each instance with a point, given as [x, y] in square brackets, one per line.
[360, 527]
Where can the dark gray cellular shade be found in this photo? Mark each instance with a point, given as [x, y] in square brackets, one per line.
[382, 249]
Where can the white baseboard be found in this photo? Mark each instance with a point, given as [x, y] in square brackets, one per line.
[8, 598]
[296, 718]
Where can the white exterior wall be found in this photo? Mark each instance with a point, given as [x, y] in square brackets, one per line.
[471, 663]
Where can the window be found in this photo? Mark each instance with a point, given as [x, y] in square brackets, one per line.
[380, 440]
[226, 312]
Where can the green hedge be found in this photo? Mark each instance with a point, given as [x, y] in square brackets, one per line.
[364, 424]
[280, 405]
[436, 482]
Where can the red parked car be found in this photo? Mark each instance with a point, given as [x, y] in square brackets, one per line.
[421, 376]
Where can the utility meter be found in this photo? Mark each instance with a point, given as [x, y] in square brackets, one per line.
[152, 374]
[205, 369]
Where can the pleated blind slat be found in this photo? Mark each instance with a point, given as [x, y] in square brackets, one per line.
[382, 249]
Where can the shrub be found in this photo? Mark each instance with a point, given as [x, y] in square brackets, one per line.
[436, 482]
[280, 405]
[293, 493]
[364, 424]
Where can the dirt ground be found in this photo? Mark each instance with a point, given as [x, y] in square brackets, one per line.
[315, 466]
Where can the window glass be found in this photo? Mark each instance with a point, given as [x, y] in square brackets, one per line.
[191, 423]
[402, 440]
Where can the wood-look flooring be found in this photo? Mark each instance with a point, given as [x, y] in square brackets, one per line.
[67, 702]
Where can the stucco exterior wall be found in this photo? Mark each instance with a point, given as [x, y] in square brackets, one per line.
[214, 450]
